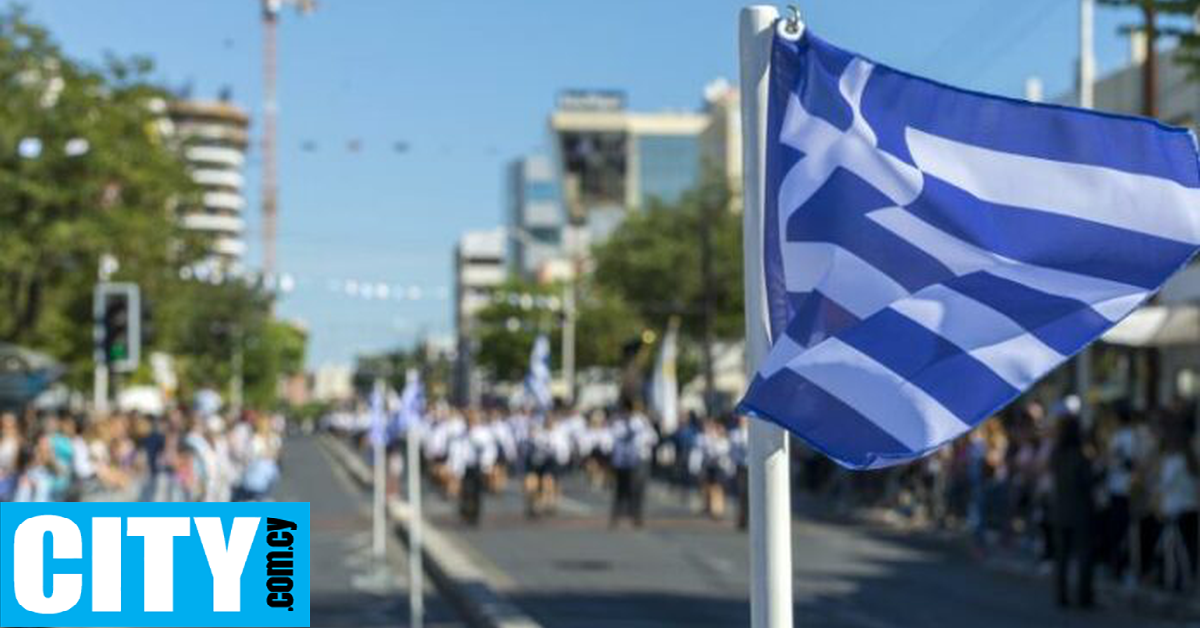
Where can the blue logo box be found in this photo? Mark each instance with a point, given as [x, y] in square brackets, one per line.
[153, 564]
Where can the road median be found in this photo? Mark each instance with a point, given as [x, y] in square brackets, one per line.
[458, 575]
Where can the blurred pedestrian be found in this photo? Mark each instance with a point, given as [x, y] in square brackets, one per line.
[10, 449]
[633, 442]
[1178, 487]
[1073, 513]
[1122, 455]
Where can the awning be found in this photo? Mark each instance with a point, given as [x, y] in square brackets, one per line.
[1158, 326]
[24, 374]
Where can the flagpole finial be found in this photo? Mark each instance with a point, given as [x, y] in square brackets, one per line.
[792, 27]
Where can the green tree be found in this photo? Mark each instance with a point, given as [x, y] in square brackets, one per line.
[505, 329]
[653, 262]
[604, 326]
[95, 178]
[681, 259]
[436, 370]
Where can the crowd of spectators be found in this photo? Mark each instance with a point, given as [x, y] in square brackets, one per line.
[181, 456]
[1119, 492]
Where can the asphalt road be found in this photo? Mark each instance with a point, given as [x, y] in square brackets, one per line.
[682, 570]
[348, 587]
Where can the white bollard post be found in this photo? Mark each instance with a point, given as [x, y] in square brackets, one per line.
[416, 572]
[380, 495]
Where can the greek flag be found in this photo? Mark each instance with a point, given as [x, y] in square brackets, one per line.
[929, 253]
[537, 381]
[378, 413]
[664, 384]
[412, 402]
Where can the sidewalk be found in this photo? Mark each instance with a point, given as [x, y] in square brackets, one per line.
[1006, 560]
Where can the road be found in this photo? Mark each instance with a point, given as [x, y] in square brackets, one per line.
[348, 589]
[680, 570]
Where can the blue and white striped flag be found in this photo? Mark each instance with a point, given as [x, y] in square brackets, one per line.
[378, 413]
[412, 402]
[929, 253]
[537, 381]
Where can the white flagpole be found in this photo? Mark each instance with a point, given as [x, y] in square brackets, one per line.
[1087, 78]
[770, 500]
[379, 452]
[416, 593]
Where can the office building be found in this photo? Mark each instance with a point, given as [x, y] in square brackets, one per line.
[721, 140]
[611, 160]
[535, 220]
[479, 269]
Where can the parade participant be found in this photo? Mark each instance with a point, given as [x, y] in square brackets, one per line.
[595, 448]
[712, 459]
[550, 453]
[474, 453]
[633, 442]
[506, 450]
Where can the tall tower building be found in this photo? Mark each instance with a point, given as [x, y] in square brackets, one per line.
[214, 136]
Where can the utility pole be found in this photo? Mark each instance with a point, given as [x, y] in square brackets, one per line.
[1150, 65]
[708, 305]
[1150, 110]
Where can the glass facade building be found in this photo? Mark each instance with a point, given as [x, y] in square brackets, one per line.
[667, 166]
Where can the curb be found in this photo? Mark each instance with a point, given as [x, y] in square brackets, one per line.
[468, 587]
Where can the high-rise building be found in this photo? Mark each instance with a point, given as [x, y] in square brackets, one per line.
[611, 160]
[213, 136]
[479, 269]
[535, 218]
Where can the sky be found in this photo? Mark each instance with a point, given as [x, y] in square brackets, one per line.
[467, 86]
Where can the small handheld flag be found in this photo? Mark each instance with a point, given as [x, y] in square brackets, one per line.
[664, 384]
[537, 381]
[412, 401]
[378, 414]
[929, 253]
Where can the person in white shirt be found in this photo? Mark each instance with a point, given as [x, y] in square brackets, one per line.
[1179, 506]
[473, 452]
[712, 452]
[550, 453]
[506, 451]
[1124, 454]
[595, 448]
[633, 444]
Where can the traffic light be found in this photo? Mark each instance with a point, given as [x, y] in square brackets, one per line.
[118, 318]
[116, 329]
